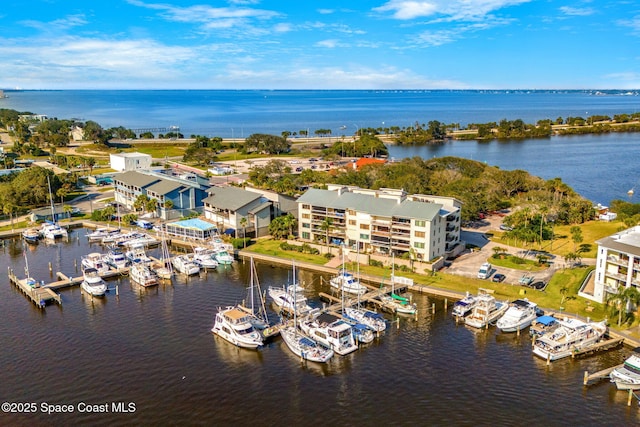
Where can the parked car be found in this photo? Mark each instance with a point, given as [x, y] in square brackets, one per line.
[499, 277]
[505, 227]
[299, 169]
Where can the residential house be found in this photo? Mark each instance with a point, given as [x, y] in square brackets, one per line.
[227, 206]
[176, 197]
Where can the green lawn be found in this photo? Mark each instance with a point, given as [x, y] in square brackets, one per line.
[562, 243]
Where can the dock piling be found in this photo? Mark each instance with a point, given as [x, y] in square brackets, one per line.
[433, 308]
[630, 398]
[445, 304]
[585, 379]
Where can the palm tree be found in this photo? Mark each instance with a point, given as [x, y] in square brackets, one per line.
[626, 298]
[289, 221]
[326, 225]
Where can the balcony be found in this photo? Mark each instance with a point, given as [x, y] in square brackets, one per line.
[401, 233]
[379, 223]
[384, 233]
[617, 276]
[401, 225]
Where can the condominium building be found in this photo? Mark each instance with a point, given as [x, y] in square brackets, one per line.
[617, 264]
[381, 221]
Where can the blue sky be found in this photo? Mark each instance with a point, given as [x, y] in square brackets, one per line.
[307, 44]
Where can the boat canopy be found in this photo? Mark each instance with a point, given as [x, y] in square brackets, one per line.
[546, 320]
[306, 341]
[373, 315]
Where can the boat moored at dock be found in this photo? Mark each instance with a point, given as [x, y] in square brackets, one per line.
[184, 264]
[518, 316]
[464, 306]
[330, 331]
[486, 311]
[234, 325]
[571, 336]
[92, 283]
[627, 376]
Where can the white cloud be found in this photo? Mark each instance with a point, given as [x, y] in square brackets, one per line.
[633, 23]
[326, 11]
[331, 43]
[244, 20]
[574, 11]
[65, 23]
[454, 9]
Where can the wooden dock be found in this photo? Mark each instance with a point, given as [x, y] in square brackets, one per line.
[599, 346]
[598, 375]
[38, 294]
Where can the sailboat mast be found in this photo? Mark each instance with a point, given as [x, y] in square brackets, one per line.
[53, 209]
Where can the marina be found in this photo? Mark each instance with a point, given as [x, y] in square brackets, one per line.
[187, 305]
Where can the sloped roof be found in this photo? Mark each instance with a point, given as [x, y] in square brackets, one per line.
[164, 187]
[231, 198]
[368, 161]
[259, 207]
[371, 204]
[136, 179]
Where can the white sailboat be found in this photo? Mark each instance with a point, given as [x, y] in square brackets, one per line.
[290, 298]
[164, 270]
[394, 302]
[51, 229]
[303, 346]
[360, 315]
[257, 315]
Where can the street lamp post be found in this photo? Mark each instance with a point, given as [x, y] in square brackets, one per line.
[354, 140]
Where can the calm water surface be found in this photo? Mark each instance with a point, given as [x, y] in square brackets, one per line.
[153, 348]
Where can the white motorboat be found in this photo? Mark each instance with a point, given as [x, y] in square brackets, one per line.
[362, 333]
[31, 235]
[233, 325]
[330, 331]
[95, 260]
[464, 306]
[223, 257]
[627, 376]
[140, 239]
[184, 264]
[371, 319]
[92, 283]
[305, 347]
[205, 257]
[142, 274]
[116, 259]
[518, 316]
[346, 282]
[486, 311]
[100, 233]
[572, 335]
[290, 298]
[137, 254]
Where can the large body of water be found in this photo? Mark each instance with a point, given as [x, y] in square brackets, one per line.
[153, 348]
[600, 167]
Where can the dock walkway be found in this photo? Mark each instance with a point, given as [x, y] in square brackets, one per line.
[38, 294]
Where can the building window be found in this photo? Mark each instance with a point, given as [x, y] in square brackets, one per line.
[305, 207]
[364, 226]
[352, 212]
[306, 225]
[364, 237]
[352, 222]
[418, 245]
[420, 234]
[306, 235]
[306, 216]
[421, 223]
